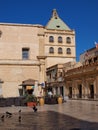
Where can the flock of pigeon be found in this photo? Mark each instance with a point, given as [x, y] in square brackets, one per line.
[9, 114]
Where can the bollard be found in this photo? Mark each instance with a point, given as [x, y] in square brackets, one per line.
[41, 101]
[60, 100]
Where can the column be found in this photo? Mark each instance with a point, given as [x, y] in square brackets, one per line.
[42, 74]
[96, 87]
[85, 93]
[74, 90]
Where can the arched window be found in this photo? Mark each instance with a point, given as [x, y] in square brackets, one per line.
[68, 40]
[51, 50]
[51, 39]
[68, 51]
[60, 50]
[59, 39]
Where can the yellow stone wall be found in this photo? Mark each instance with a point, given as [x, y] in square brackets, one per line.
[14, 70]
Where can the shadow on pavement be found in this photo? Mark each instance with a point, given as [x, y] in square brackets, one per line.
[46, 120]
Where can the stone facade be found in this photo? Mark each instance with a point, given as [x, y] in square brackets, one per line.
[76, 80]
[55, 80]
[27, 50]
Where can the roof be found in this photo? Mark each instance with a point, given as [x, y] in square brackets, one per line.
[56, 23]
[30, 82]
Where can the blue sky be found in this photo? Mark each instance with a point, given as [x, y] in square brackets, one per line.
[80, 15]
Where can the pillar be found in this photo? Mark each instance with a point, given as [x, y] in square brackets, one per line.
[96, 86]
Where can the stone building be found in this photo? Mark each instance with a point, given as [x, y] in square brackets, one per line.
[55, 80]
[82, 81]
[26, 50]
[79, 79]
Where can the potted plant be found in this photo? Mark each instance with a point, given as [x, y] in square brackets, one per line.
[31, 100]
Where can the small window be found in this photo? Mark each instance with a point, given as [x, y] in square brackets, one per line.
[58, 26]
[51, 39]
[51, 50]
[25, 53]
[68, 40]
[68, 51]
[59, 39]
[60, 50]
[0, 33]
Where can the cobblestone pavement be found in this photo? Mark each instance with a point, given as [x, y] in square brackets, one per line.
[71, 115]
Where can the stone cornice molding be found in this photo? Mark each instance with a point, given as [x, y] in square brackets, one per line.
[20, 62]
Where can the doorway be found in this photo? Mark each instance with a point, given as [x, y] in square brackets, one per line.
[61, 91]
[91, 91]
[80, 91]
[70, 92]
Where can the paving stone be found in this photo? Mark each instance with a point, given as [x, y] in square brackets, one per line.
[72, 115]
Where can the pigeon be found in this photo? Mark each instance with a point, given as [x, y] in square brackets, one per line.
[2, 117]
[8, 114]
[19, 118]
[35, 109]
[19, 111]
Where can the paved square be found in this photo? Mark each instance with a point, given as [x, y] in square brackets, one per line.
[72, 115]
